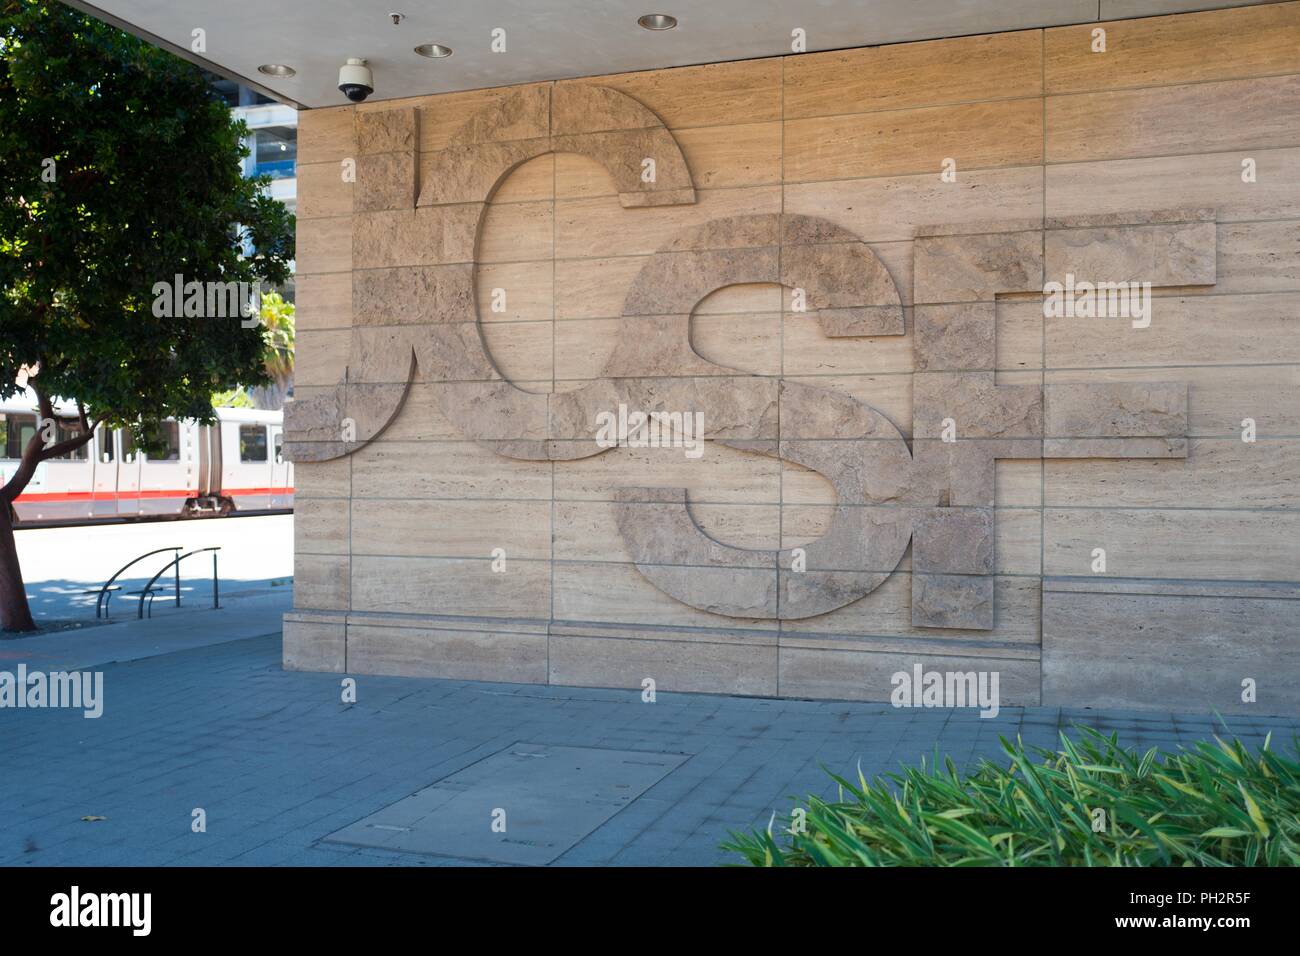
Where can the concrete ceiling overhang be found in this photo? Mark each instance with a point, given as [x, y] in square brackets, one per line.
[554, 39]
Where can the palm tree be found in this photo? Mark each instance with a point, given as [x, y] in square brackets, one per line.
[278, 323]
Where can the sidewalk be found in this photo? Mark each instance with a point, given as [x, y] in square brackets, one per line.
[243, 614]
[195, 718]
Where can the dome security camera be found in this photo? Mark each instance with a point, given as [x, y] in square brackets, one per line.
[356, 82]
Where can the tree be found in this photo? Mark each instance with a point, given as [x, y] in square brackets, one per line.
[278, 320]
[121, 174]
[277, 360]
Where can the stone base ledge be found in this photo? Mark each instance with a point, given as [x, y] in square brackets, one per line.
[762, 663]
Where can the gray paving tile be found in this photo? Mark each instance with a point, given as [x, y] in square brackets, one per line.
[279, 763]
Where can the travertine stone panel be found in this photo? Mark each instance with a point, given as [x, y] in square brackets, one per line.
[314, 642]
[323, 301]
[1190, 648]
[330, 479]
[1164, 182]
[848, 672]
[324, 192]
[415, 237]
[657, 345]
[1196, 118]
[598, 122]
[452, 528]
[1114, 448]
[321, 582]
[1234, 544]
[1162, 50]
[952, 600]
[608, 594]
[1259, 257]
[1212, 330]
[838, 275]
[452, 352]
[1157, 409]
[385, 181]
[414, 295]
[387, 164]
[976, 135]
[736, 409]
[627, 155]
[579, 108]
[713, 94]
[445, 469]
[385, 131]
[518, 113]
[734, 592]
[886, 614]
[324, 245]
[504, 652]
[967, 268]
[1164, 254]
[902, 75]
[1219, 473]
[977, 406]
[961, 473]
[471, 173]
[892, 208]
[656, 527]
[675, 281]
[321, 526]
[954, 541]
[954, 338]
[326, 135]
[345, 418]
[1089, 448]
[744, 154]
[452, 586]
[619, 657]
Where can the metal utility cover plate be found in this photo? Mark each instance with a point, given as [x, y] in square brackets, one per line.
[552, 798]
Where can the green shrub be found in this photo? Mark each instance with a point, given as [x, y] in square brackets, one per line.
[1215, 805]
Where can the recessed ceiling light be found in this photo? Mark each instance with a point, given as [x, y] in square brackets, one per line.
[657, 21]
[434, 51]
[277, 69]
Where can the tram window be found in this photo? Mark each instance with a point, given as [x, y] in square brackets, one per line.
[279, 448]
[252, 443]
[128, 446]
[63, 430]
[18, 430]
[169, 436]
[104, 444]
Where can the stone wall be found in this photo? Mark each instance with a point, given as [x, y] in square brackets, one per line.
[838, 259]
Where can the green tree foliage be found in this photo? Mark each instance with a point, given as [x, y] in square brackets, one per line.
[277, 353]
[278, 323]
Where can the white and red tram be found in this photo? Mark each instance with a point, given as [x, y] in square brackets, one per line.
[233, 465]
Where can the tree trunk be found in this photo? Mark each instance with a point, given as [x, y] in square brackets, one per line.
[15, 615]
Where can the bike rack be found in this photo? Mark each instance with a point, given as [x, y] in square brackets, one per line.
[177, 564]
[99, 598]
